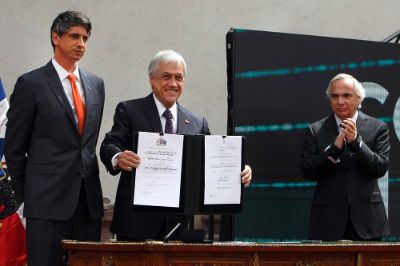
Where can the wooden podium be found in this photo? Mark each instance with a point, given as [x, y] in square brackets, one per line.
[154, 253]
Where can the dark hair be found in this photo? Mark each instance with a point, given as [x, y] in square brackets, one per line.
[64, 21]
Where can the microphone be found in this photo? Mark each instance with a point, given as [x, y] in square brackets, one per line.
[166, 238]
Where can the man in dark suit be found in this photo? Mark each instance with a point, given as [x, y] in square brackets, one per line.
[346, 153]
[167, 73]
[52, 131]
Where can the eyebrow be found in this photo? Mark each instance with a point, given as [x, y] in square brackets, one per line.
[73, 33]
[338, 94]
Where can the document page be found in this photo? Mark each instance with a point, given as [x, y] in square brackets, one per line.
[158, 177]
[223, 158]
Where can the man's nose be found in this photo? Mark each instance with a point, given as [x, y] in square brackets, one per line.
[173, 82]
[81, 42]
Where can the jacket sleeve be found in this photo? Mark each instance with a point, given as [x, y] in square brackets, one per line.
[373, 160]
[21, 116]
[117, 140]
[316, 161]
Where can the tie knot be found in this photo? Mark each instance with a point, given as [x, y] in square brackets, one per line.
[167, 114]
[71, 77]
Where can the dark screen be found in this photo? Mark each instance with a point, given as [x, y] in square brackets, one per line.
[276, 87]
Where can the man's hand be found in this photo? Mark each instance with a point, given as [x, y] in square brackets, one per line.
[339, 142]
[127, 160]
[246, 175]
[349, 129]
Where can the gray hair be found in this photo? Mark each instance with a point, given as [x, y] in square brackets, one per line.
[358, 88]
[166, 56]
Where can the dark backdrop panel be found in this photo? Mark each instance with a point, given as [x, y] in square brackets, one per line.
[276, 87]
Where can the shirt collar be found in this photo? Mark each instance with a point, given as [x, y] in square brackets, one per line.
[161, 108]
[354, 118]
[62, 73]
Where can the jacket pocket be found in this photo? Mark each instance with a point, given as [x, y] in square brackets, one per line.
[39, 169]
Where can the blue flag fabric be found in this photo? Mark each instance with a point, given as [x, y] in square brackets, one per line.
[3, 118]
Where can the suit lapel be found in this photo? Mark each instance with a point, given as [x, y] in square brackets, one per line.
[87, 88]
[183, 121]
[150, 109]
[55, 85]
[361, 124]
[330, 129]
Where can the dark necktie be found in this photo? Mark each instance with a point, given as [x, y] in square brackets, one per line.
[79, 105]
[169, 126]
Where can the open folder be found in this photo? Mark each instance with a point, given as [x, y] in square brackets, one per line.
[190, 174]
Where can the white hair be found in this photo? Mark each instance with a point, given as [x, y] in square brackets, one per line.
[358, 88]
[166, 56]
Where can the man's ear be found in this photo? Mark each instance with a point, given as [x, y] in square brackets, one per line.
[55, 38]
[151, 78]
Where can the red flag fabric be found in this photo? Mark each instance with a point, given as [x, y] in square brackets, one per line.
[12, 241]
[12, 231]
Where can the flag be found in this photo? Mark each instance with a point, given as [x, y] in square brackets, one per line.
[3, 118]
[12, 230]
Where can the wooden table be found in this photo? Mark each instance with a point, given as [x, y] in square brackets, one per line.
[232, 254]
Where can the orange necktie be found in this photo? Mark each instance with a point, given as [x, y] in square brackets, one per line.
[79, 105]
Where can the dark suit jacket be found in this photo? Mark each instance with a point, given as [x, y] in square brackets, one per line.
[350, 186]
[46, 155]
[131, 117]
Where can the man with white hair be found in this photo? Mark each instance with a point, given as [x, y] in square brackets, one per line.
[158, 112]
[346, 153]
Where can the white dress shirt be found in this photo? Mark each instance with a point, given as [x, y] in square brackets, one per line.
[161, 108]
[63, 75]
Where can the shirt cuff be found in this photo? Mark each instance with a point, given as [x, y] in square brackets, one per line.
[114, 160]
[332, 153]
